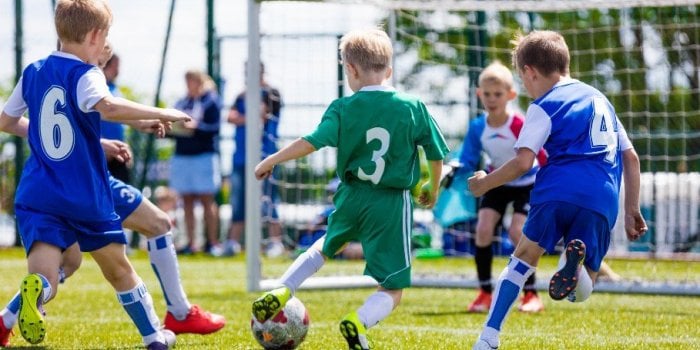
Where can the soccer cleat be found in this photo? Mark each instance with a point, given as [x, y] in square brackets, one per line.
[354, 332]
[31, 312]
[564, 281]
[170, 340]
[531, 302]
[197, 321]
[5, 334]
[482, 303]
[482, 344]
[270, 303]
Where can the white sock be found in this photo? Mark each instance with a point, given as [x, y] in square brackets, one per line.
[139, 305]
[584, 287]
[47, 290]
[376, 308]
[302, 268]
[9, 313]
[161, 252]
[509, 284]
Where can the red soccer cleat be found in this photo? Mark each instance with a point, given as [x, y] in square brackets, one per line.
[197, 321]
[482, 303]
[531, 302]
[5, 334]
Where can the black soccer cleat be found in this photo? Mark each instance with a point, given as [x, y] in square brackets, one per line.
[564, 281]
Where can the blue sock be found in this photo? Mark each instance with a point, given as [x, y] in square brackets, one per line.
[507, 289]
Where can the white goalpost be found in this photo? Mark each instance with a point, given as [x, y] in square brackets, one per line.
[643, 54]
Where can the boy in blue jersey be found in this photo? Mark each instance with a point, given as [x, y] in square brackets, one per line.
[377, 132]
[575, 196]
[63, 196]
[495, 134]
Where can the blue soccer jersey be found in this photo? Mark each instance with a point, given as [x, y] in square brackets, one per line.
[66, 173]
[583, 138]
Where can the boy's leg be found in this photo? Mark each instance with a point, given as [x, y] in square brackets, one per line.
[483, 257]
[520, 267]
[131, 293]
[38, 288]
[377, 307]
[305, 265]
[530, 301]
[182, 317]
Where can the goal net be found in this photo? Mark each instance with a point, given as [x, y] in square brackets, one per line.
[643, 55]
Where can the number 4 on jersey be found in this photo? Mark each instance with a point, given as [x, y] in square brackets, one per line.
[604, 129]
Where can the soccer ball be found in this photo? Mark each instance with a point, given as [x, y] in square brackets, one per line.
[286, 330]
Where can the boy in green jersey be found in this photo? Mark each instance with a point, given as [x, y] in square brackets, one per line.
[377, 132]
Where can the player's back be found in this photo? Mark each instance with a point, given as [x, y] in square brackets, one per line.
[378, 134]
[66, 173]
[583, 154]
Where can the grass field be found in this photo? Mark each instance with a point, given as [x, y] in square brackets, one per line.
[86, 314]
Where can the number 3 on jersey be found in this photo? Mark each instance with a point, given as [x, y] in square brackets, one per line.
[604, 129]
[55, 131]
[383, 136]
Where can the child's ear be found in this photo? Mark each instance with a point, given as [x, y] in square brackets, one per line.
[511, 94]
[478, 92]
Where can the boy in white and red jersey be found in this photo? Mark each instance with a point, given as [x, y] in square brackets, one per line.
[493, 135]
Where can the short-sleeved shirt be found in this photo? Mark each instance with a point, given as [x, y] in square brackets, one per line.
[377, 131]
[66, 172]
[578, 127]
[269, 132]
[497, 143]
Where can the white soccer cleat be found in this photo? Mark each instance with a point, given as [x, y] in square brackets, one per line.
[482, 344]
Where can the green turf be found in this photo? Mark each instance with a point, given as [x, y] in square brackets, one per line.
[86, 314]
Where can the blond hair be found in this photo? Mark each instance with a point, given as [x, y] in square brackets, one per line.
[543, 50]
[496, 72]
[74, 19]
[369, 49]
[206, 83]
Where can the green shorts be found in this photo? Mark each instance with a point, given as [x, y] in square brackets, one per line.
[381, 219]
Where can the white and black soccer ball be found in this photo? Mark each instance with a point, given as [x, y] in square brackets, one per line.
[286, 330]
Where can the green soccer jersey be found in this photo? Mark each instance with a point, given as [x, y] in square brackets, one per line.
[377, 132]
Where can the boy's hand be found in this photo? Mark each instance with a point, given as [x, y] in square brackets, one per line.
[428, 196]
[476, 184]
[635, 226]
[263, 169]
[115, 149]
[174, 115]
[156, 127]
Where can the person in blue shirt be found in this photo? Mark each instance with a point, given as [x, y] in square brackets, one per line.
[270, 113]
[494, 135]
[195, 173]
[575, 196]
[63, 196]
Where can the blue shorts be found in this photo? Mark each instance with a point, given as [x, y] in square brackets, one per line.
[268, 203]
[197, 174]
[126, 197]
[549, 222]
[61, 232]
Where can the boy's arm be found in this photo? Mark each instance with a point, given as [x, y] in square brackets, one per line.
[14, 125]
[481, 183]
[635, 226]
[429, 192]
[118, 109]
[294, 150]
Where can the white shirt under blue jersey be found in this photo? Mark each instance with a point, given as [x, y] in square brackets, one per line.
[578, 127]
[66, 173]
[497, 144]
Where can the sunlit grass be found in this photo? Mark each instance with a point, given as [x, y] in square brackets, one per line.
[86, 314]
